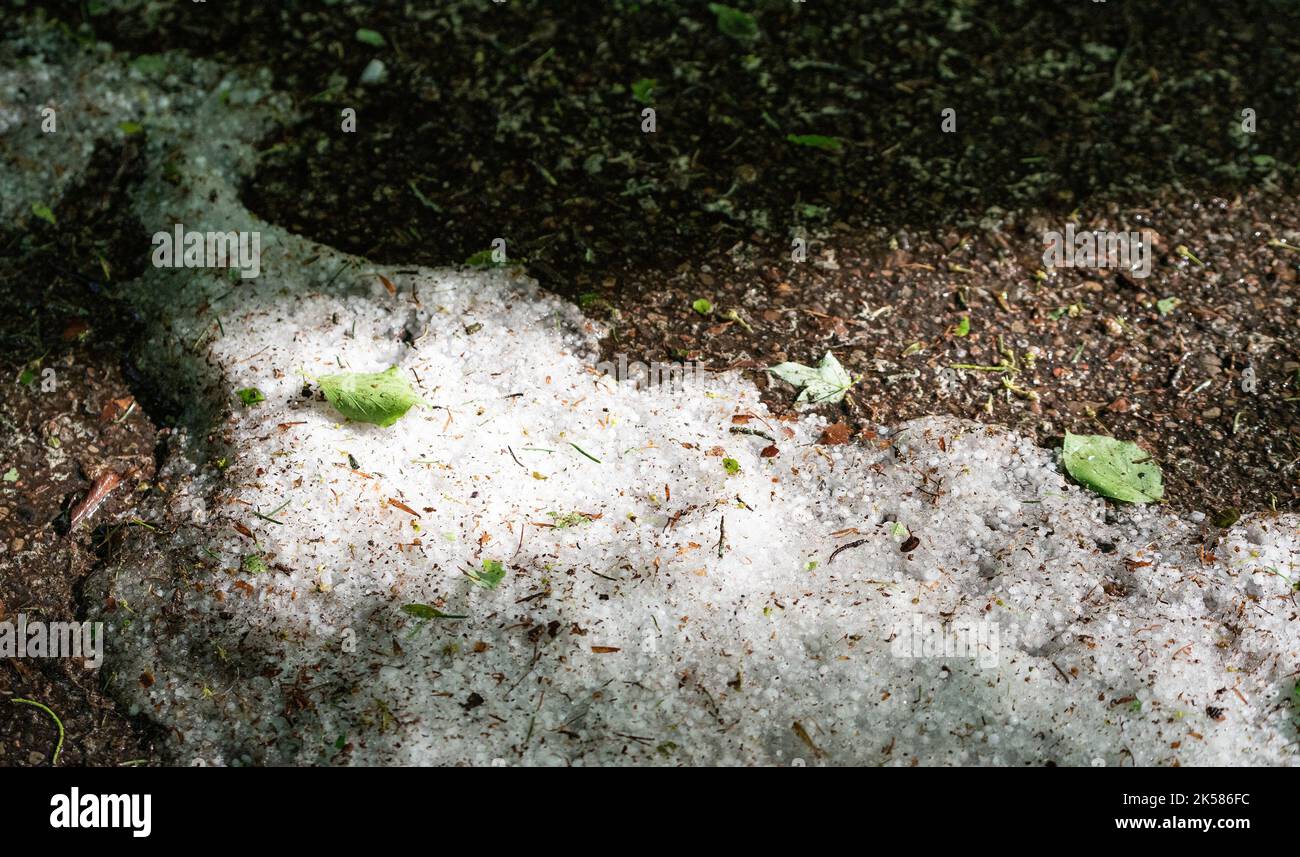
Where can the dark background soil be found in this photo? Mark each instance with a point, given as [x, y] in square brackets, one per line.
[520, 121]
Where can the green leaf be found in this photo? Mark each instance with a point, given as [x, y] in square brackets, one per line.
[149, 64]
[370, 37]
[250, 396]
[642, 88]
[43, 211]
[963, 326]
[425, 611]
[569, 519]
[1166, 305]
[1113, 468]
[491, 576]
[129, 128]
[381, 398]
[254, 564]
[482, 259]
[703, 306]
[27, 377]
[816, 141]
[827, 383]
[731, 465]
[11, 475]
[735, 23]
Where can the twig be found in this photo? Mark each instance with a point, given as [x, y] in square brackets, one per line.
[853, 544]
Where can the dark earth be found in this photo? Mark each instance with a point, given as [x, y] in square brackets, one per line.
[522, 121]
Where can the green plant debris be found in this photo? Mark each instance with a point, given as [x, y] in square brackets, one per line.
[44, 212]
[703, 306]
[827, 383]
[270, 516]
[568, 519]
[1023, 392]
[250, 396]
[583, 451]
[11, 475]
[426, 611]
[482, 259]
[735, 23]
[130, 128]
[381, 398]
[1182, 251]
[732, 315]
[816, 141]
[58, 748]
[1167, 305]
[254, 564]
[731, 465]
[490, 576]
[1073, 311]
[643, 89]
[963, 327]
[1113, 468]
[149, 64]
[976, 367]
[370, 37]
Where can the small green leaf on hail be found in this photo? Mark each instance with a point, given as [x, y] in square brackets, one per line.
[703, 306]
[250, 396]
[825, 383]
[370, 37]
[381, 398]
[1113, 468]
[482, 259]
[490, 576]
[731, 465]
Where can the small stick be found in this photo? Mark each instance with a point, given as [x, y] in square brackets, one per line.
[853, 544]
